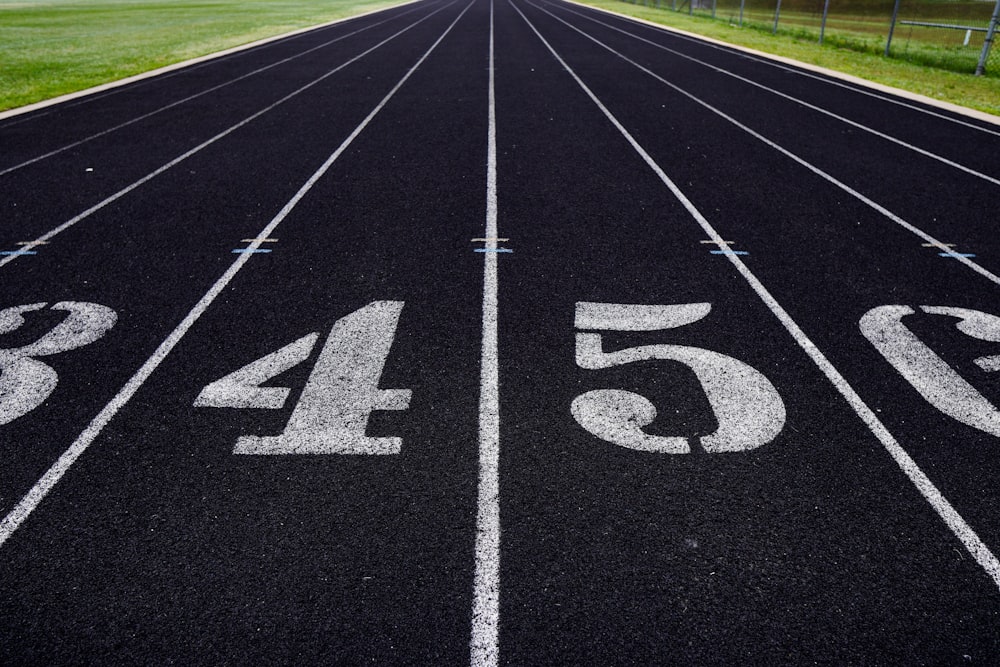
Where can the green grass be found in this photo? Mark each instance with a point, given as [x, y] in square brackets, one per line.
[852, 53]
[52, 47]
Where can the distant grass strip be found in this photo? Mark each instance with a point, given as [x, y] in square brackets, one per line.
[52, 47]
[982, 93]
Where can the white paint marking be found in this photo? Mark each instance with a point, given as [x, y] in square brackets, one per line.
[43, 486]
[32, 243]
[718, 243]
[829, 76]
[25, 382]
[485, 642]
[992, 277]
[258, 240]
[948, 514]
[813, 107]
[148, 177]
[637, 317]
[342, 391]
[932, 377]
[747, 408]
[241, 388]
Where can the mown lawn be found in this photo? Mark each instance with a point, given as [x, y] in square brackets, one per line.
[52, 47]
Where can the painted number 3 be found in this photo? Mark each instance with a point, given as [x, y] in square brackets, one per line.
[25, 381]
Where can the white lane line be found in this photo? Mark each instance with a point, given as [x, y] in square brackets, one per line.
[992, 277]
[808, 105]
[485, 643]
[958, 526]
[861, 86]
[37, 493]
[177, 160]
[103, 90]
[175, 103]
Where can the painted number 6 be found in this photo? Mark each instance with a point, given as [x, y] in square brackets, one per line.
[747, 407]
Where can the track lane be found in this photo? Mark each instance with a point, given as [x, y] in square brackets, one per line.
[163, 259]
[618, 556]
[43, 201]
[51, 121]
[908, 120]
[813, 547]
[317, 558]
[74, 143]
[856, 165]
[802, 244]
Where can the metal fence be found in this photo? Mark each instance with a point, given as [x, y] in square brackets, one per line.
[951, 34]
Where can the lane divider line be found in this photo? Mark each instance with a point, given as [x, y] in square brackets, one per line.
[44, 485]
[175, 103]
[501, 250]
[32, 243]
[259, 241]
[944, 509]
[808, 105]
[937, 245]
[729, 252]
[956, 255]
[205, 144]
[717, 242]
[103, 90]
[16, 253]
[484, 644]
[237, 251]
[989, 275]
[828, 76]
[490, 239]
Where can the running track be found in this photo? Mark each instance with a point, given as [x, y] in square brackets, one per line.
[502, 332]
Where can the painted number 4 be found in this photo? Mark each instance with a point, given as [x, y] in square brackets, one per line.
[341, 393]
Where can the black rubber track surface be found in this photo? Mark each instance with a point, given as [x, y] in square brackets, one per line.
[153, 543]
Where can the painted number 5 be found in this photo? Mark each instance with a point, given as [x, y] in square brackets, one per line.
[747, 407]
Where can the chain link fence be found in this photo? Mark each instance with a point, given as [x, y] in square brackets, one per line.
[950, 34]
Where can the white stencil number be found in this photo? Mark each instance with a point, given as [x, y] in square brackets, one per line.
[340, 395]
[747, 407]
[930, 375]
[25, 382]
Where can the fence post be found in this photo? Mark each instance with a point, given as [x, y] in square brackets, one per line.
[741, 12]
[777, 13]
[892, 27]
[981, 67]
[822, 25]
[714, 2]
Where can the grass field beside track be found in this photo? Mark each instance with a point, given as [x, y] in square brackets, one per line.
[982, 92]
[52, 47]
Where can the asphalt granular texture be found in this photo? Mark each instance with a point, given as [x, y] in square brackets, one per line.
[159, 545]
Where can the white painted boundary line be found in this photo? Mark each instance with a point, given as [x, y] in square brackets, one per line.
[44, 238]
[797, 66]
[992, 277]
[187, 63]
[30, 501]
[931, 494]
[860, 126]
[196, 95]
[485, 649]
